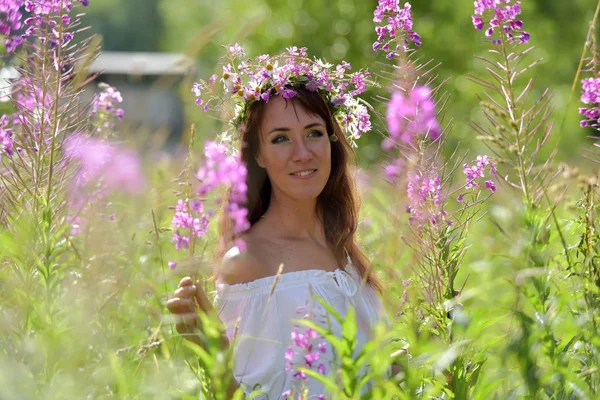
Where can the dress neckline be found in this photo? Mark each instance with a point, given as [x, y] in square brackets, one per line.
[286, 280]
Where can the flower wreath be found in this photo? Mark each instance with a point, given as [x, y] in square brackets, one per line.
[267, 76]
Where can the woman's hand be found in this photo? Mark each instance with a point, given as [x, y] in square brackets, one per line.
[188, 299]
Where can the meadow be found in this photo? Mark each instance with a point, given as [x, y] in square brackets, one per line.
[488, 252]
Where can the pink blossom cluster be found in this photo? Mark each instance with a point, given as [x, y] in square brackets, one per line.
[590, 95]
[106, 101]
[119, 169]
[303, 346]
[267, 76]
[399, 28]
[393, 169]
[50, 13]
[220, 169]
[31, 105]
[424, 192]
[11, 21]
[475, 173]
[500, 18]
[193, 220]
[411, 116]
[102, 168]
[6, 136]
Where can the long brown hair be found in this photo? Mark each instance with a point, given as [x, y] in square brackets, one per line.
[337, 204]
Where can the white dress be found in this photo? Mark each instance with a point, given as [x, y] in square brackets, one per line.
[263, 328]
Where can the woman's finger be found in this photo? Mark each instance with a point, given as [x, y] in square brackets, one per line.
[187, 281]
[185, 291]
[203, 302]
[177, 305]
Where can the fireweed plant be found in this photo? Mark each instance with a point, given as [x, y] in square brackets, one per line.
[34, 173]
[439, 213]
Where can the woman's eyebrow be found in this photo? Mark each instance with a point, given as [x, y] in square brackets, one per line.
[288, 129]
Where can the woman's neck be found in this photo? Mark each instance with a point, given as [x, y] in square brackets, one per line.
[295, 219]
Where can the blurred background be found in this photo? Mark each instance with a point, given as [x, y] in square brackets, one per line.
[162, 45]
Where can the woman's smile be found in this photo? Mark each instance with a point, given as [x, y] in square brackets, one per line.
[304, 174]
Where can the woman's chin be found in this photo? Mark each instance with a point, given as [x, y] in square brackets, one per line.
[306, 194]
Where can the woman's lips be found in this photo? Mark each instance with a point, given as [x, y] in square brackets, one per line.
[305, 174]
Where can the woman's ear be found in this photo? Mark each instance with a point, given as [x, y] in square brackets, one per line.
[259, 161]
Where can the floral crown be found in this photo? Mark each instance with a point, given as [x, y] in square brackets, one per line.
[267, 76]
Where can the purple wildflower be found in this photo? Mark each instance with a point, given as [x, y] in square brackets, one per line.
[11, 21]
[105, 101]
[476, 172]
[590, 96]
[236, 50]
[501, 18]
[102, 168]
[6, 136]
[399, 27]
[425, 199]
[304, 353]
[119, 169]
[411, 116]
[220, 169]
[392, 170]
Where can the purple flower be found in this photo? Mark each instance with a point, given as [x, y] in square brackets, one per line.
[498, 15]
[6, 136]
[287, 93]
[106, 100]
[172, 264]
[399, 27]
[236, 51]
[302, 352]
[412, 115]
[101, 168]
[311, 358]
[220, 169]
[425, 199]
[119, 169]
[392, 171]
[476, 172]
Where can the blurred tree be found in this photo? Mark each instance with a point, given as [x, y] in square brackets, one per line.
[132, 25]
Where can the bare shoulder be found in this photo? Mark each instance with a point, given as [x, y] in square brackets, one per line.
[240, 265]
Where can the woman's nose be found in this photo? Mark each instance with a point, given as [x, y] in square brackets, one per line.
[302, 152]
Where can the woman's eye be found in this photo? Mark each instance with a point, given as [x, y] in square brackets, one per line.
[279, 139]
[316, 133]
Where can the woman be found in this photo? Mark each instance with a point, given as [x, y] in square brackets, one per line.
[302, 208]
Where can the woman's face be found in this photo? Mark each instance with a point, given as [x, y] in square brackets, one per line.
[294, 149]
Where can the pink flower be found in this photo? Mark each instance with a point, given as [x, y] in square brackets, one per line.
[476, 172]
[399, 27]
[302, 342]
[502, 15]
[411, 116]
[220, 169]
[106, 101]
[119, 169]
